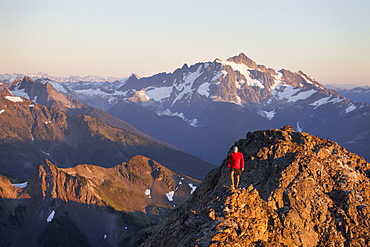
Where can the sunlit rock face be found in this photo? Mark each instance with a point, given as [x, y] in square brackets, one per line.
[296, 190]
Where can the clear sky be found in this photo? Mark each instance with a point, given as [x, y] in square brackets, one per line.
[327, 39]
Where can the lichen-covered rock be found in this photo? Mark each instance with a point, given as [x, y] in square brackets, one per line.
[296, 190]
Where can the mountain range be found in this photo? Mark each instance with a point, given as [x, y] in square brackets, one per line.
[202, 108]
[42, 123]
[117, 162]
[359, 94]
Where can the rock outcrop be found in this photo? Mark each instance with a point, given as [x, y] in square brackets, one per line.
[296, 190]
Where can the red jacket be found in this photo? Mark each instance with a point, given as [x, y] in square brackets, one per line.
[236, 160]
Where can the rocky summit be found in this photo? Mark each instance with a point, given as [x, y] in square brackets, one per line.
[296, 190]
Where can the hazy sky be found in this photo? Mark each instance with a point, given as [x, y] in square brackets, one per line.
[329, 40]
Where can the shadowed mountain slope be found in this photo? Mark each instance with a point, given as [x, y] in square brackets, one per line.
[68, 133]
[104, 206]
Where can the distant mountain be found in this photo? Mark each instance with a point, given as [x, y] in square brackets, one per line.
[359, 94]
[296, 190]
[339, 87]
[10, 78]
[101, 88]
[203, 108]
[89, 205]
[39, 122]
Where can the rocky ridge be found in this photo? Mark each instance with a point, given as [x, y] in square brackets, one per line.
[106, 205]
[296, 190]
[39, 122]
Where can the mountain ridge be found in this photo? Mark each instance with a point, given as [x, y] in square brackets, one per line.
[196, 99]
[264, 98]
[69, 132]
[296, 190]
[105, 205]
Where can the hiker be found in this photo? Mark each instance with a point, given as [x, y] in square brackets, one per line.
[236, 165]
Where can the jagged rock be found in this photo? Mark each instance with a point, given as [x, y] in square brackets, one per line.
[97, 201]
[296, 190]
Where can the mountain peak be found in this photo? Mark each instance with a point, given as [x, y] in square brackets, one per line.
[134, 76]
[243, 59]
[296, 190]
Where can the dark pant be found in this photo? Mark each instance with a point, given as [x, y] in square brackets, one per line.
[237, 171]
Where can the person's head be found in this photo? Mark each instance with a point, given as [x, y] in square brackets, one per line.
[235, 149]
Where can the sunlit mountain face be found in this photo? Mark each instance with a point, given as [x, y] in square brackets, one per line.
[203, 108]
[38, 122]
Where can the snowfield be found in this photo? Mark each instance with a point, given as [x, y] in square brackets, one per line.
[15, 99]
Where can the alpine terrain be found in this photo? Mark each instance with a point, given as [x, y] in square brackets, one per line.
[202, 108]
[38, 122]
[88, 205]
[296, 190]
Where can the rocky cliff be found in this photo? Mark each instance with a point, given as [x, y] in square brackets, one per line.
[103, 206]
[296, 190]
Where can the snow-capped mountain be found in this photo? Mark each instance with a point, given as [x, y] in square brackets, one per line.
[95, 91]
[239, 80]
[213, 103]
[221, 100]
[10, 78]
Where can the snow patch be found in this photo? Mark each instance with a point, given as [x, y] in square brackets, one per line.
[299, 129]
[350, 108]
[15, 99]
[293, 94]
[21, 186]
[186, 87]
[278, 81]
[19, 92]
[167, 112]
[307, 78]
[203, 89]
[218, 76]
[1, 111]
[193, 122]
[57, 86]
[147, 192]
[51, 217]
[193, 188]
[31, 105]
[170, 195]
[158, 93]
[267, 114]
[325, 100]
[244, 70]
